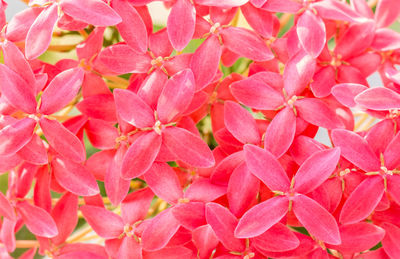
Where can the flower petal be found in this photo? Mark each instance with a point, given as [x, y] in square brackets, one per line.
[379, 98]
[15, 136]
[311, 32]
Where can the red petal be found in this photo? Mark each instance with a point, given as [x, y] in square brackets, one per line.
[37, 220]
[363, 200]
[390, 242]
[94, 12]
[34, 151]
[223, 223]
[130, 249]
[62, 140]
[132, 28]
[176, 96]
[259, 19]
[280, 132]
[254, 222]
[141, 155]
[318, 221]
[61, 90]
[15, 136]
[265, 166]
[99, 106]
[74, 177]
[164, 182]
[391, 154]
[190, 215]
[205, 62]
[385, 13]
[246, 43]
[105, 223]
[323, 81]
[132, 109]
[204, 190]
[311, 33]
[188, 147]
[205, 240]
[16, 90]
[101, 134]
[241, 123]
[151, 88]
[316, 170]
[355, 149]
[41, 32]
[181, 24]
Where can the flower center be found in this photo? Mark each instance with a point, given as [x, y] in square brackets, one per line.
[215, 27]
[157, 127]
[157, 62]
[291, 101]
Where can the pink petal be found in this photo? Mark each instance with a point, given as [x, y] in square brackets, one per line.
[280, 132]
[243, 188]
[346, 92]
[116, 187]
[385, 13]
[159, 231]
[276, 239]
[359, 237]
[41, 32]
[241, 123]
[101, 134]
[132, 28]
[170, 253]
[256, 94]
[298, 73]
[65, 215]
[254, 222]
[15, 136]
[94, 12]
[379, 98]
[323, 81]
[14, 59]
[311, 32]
[7, 235]
[176, 96]
[259, 19]
[204, 190]
[363, 200]
[190, 215]
[326, 117]
[386, 39]
[62, 140]
[164, 182]
[74, 177]
[181, 24]
[135, 206]
[20, 23]
[6, 210]
[316, 170]
[391, 154]
[91, 46]
[225, 167]
[355, 149]
[16, 90]
[246, 43]
[34, 151]
[318, 221]
[223, 223]
[99, 106]
[265, 166]
[188, 147]
[335, 10]
[393, 182]
[356, 40]
[141, 155]
[122, 59]
[61, 90]
[151, 88]
[390, 241]
[37, 220]
[205, 240]
[159, 43]
[223, 4]
[205, 62]
[105, 223]
[132, 109]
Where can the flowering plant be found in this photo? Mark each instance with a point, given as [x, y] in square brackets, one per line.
[121, 138]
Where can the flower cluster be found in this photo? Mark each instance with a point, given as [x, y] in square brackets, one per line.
[198, 140]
